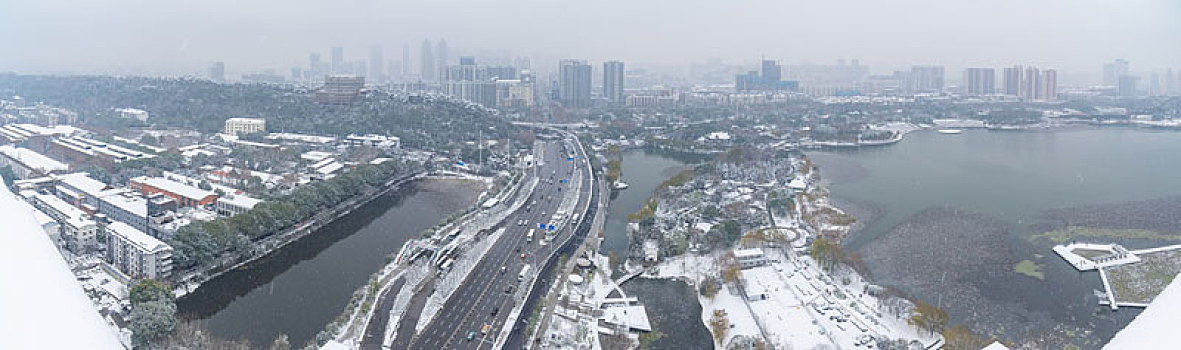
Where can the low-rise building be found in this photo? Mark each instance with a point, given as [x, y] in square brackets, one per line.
[372, 140]
[231, 204]
[26, 163]
[235, 126]
[78, 230]
[137, 254]
[185, 195]
[748, 258]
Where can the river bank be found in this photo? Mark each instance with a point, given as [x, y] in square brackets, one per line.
[270, 297]
[276, 242]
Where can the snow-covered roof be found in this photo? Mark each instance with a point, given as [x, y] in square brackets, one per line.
[180, 189]
[138, 238]
[239, 200]
[83, 182]
[49, 310]
[748, 253]
[33, 159]
[632, 316]
[1154, 327]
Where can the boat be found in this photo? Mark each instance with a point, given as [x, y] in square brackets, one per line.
[950, 131]
[620, 185]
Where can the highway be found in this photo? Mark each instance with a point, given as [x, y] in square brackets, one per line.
[484, 296]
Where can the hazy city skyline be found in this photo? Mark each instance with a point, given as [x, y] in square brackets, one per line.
[150, 38]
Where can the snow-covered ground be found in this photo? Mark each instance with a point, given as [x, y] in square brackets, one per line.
[794, 302]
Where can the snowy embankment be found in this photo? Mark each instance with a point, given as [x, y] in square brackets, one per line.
[43, 305]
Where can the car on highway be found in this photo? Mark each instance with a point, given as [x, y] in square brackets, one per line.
[508, 290]
[503, 269]
[484, 330]
[495, 310]
[523, 255]
[471, 335]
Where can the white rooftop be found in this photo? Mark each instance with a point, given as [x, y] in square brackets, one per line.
[137, 237]
[33, 159]
[748, 253]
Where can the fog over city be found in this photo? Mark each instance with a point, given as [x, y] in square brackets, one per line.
[183, 37]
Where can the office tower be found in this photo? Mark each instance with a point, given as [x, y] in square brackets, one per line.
[296, 73]
[926, 79]
[426, 65]
[441, 55]
[337, 60]
[1171, 86]
[217, 71]
[314, 65]
[1013, 81]
[376, 64]
[1127, 85]
[979, 81]
[772, 72]
[613, 81]
[406, 60]
[574, 83]
[1049, 85]
[1113, 71]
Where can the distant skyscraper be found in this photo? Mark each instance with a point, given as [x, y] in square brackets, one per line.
[1127, 85]
[926, 79]
[1113, 71]
[337, 60]
[772, 72]
[1013, 81]
[613, 81]
[574, 83]
[1049, 85]
[426, 68]
[406, 60]
[1031, 83]
[217, 71]
[376, 64]
[979, 81]
[441, 59]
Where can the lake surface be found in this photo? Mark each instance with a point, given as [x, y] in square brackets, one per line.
[642, 171]
[301, 288]
[1008, 178]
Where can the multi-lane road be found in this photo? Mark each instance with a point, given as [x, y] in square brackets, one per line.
[493, 288]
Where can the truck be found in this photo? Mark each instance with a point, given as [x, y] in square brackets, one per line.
[529, 236]
[524, 273]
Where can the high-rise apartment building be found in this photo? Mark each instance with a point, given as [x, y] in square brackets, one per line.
[1127, 85]
[926, 79]
[1113, 70]
[772, 73]
[613, 81]
[574, 83]
[979, 81]
[1049, 85]
[376, 64]
[441, 57]
[217, 71]
[426, 68]
[1031, 82]
[405, 60]
[338, 60]
[1013, 81]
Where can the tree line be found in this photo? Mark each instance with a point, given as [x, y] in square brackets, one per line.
[198, 245]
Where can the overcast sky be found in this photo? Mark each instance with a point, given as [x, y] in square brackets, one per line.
[184, 37]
